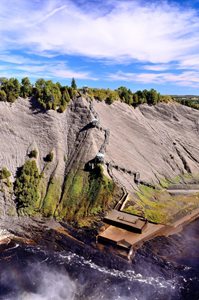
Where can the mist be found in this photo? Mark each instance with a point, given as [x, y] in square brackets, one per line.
[44, 283]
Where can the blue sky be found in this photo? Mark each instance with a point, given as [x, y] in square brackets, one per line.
[108, 43]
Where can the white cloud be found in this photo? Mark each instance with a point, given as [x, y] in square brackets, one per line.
[67, 73]
[20, 66]
[158, 67]
[187, 78]
[16, 59]
[130, 30]
[189, 62]
[159, 34]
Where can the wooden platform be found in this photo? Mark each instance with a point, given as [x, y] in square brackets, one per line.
[125, 239]
[126, 221]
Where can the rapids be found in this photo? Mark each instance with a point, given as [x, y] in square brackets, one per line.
[164, 268]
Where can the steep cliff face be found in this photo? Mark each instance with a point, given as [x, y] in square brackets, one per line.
[158, 142]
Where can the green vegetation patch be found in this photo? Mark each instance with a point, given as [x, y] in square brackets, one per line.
[49, 157]
[33, 153]
[125, 95]
[4, 173]
[26, 187]
[191, 101]
[158, 206]
[54, 96]
[86, 195]
[52, 197]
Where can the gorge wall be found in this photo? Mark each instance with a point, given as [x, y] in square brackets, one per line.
[156, 141]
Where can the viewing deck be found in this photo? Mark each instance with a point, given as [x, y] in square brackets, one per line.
[125, 239]
[126, 221]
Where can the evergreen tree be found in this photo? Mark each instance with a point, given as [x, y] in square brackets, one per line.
[73, 84]
[153, 97]
[125, 95]
[26, 184]
[11, 87]
[26, 87]
[135, 99]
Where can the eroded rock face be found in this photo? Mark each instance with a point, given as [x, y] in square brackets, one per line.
[155, 141]
[68, 136]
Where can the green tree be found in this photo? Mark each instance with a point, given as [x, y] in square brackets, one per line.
[3, 96]
[65, 99]
[11, 87]
[73, 84]
[125, 95]
[111, 97]
[153, 97]
[135, 99]
[48, 94]
[26, 185]
[141, 96]
[165, 98]
[26, 87]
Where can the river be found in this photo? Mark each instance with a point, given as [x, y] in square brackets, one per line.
[164, 268]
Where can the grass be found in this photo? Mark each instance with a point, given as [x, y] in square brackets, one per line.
[41, 191]
[158, 206]
[52, 197]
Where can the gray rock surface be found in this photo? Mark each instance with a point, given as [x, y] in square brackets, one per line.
[156, 141]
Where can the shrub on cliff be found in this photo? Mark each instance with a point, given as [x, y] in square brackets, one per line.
[3, 96]
[33, 153]
[49, 157]
[26, 88]
[26, 185]
[4, 173]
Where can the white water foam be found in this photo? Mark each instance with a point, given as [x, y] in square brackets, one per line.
[73, 258]
[130, 275]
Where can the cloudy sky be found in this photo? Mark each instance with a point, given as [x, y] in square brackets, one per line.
[103, 43]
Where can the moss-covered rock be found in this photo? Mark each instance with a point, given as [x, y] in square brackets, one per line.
[82, 198]
[52, 197]
[86, 195]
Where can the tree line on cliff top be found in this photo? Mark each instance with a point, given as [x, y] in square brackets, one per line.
[55, 96]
